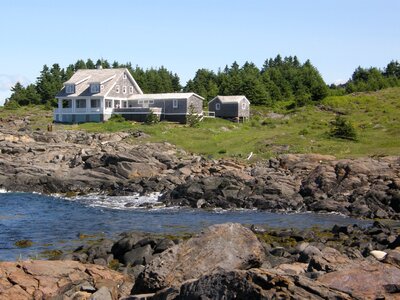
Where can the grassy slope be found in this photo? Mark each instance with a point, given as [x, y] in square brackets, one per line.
[376, 117]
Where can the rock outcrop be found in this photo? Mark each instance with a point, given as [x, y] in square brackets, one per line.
[48, 279]
[219, 247]
[70, 162]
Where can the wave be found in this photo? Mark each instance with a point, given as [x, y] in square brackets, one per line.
[135, 201]
[3, 191]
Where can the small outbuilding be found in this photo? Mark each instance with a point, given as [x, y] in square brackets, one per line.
[230, 107]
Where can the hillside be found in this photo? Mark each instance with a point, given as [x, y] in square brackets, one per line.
[375, 116]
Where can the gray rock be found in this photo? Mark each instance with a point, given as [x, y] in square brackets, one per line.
[101, 294]
[138, 256]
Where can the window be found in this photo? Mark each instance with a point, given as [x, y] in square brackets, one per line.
[102, 87]
[95, 103]
[66, 103]
[217, 106]
[117, 104]
[117, 88]
[243, 105]
[124, 89]
[124, 75]
[151, 101]
[108, 103]
[175, 103]
[140, 102]
[124, 104]
[131, 90]
[70, 88]
[80, 103]
[95, 88]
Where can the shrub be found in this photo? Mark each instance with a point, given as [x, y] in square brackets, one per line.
[192, 119]
[343, 129]
[152, 118]
[117, 118]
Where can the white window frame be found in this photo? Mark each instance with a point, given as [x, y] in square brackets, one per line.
[95, 88]
[243, 105]
[79, 101]
[70, 88]
[131, 90]
[125, 76]
[97, 101]
[140, 102]
[124, 89]
[108, 103]
[117, 89]
[151, 101]
[217, 106]
[175, 103]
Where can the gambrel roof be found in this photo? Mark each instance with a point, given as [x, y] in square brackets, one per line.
[230, 99]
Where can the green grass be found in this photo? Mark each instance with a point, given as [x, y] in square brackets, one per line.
[375, 116]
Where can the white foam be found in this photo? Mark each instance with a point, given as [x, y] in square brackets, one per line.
[120, 202]
[3, 191]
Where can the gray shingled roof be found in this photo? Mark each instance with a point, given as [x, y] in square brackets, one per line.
[230, 99]
[164, 96]
[84, 77]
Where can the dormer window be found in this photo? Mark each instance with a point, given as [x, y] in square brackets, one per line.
[117, 88]
[95, 88]
[70, 88]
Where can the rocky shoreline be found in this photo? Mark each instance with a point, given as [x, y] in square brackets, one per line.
[225, 261]
[75, 163]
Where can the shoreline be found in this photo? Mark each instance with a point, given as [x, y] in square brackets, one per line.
[77, 163]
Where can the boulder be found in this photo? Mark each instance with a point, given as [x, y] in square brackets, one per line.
[250, 284]
[226, 246]
[47, 279]
[365, 280]
[138, 256]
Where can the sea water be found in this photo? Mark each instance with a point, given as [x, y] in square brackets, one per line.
[52, 222]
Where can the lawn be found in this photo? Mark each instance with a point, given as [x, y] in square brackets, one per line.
[375, 116]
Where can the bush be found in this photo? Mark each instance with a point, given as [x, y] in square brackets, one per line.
[11, 105]
[192, 119]
[117, 118]
[343, 129]
[152, 118]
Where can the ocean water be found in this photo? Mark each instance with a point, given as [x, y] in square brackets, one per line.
[52, 222]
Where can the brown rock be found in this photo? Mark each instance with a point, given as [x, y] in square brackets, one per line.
[44, 279]
[366, 280]
[226, 246]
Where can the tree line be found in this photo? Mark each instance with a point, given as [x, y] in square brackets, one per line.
[279, 79]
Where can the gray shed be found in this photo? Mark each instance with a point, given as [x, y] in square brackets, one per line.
[237, 107]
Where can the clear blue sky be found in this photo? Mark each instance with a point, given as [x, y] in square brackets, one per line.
[336, 35]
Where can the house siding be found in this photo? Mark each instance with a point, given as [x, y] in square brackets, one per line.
[228, 110]
[122, 82]
[244, 113]
[197, 104]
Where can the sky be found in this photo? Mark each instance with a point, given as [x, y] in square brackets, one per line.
[185, 35]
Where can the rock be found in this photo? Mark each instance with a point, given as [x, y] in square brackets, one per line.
[250, 284]
[138, 256]
[365, 280]
[46, 279]
[226, 246]
[379, 255]
[163, 245]
[101, 294]
[393, 257]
